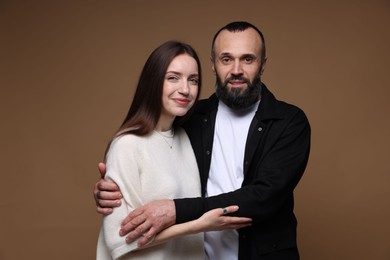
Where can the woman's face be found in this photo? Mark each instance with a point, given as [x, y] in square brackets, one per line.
[180, 86]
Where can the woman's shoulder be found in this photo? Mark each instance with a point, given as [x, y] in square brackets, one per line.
[127, 142]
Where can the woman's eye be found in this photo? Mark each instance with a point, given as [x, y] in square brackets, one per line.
[194, 81]
[172, 78]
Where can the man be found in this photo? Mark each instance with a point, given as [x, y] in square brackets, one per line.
[251, 151]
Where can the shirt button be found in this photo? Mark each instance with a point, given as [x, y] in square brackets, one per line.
[260, 129]
[208, 152]
[205, 120]
[246, 162]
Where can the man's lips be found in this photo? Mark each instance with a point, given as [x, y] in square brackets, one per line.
[236, 83]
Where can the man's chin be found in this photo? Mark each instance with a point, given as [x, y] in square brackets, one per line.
[237, 87]
[236, 91]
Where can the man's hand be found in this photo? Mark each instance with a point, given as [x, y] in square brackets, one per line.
[107, 194]
[148, 220]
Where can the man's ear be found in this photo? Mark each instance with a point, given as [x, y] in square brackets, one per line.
[212, 65]
[263, 66]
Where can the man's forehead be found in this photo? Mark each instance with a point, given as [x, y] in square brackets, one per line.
[244, 42]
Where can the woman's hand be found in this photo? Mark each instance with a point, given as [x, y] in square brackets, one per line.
[218, 219]
[213, 220]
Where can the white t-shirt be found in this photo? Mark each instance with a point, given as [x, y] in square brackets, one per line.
[226, 172]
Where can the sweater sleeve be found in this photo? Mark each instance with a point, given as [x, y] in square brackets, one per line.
[123, 169]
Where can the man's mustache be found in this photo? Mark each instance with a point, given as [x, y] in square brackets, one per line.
[240, 78]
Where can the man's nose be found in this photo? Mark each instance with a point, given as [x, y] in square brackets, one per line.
[237, 68]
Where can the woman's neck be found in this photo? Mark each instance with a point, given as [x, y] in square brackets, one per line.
[164, 123]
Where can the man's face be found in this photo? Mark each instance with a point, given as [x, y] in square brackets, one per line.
[238, 67]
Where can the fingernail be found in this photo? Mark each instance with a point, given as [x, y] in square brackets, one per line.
[118, 202]
[121, 232]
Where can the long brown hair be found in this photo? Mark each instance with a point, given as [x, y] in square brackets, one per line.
[146, 107]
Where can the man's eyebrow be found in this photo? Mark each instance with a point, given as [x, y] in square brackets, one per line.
[225, 54]
[222, 54]
[249, 55]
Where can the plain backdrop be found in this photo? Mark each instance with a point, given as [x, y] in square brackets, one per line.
[68, 72]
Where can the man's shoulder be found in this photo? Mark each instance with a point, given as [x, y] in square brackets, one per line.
[207, 104]
[203, 112]
[275, 108]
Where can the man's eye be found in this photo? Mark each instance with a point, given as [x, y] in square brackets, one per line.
[248, 59]
[226, 59]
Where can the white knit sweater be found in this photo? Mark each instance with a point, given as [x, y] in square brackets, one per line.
[147, 169]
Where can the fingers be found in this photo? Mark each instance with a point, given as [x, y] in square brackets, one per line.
[141, 230]
[106, 196]
[147, 237]
[113, 196]
[234, 222]
[102, 169]
[108, 203]
[230, 209]
[238, 226]
[105, 190]
[106, 193]
[133, 223]
[224, 211]
[104, 185]
[105, 207]
[104, 211]
[148, 220]
[237, 220]
[134, 218]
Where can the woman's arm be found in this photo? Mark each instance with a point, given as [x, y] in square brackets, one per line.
[213, 220]
[122, 168]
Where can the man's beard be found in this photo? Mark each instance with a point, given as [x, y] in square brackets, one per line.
[238, 98]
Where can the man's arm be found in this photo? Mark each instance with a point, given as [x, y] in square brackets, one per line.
[276, 176]
[158, 217]
[148, 220]
[107, 194]
[270, 181]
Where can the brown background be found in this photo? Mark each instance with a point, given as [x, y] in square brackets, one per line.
[68, 70]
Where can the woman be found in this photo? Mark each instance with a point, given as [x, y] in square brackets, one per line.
[151, 158]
